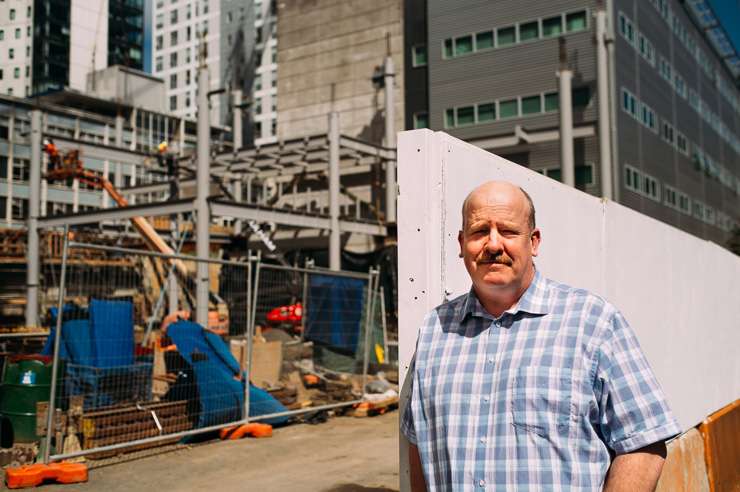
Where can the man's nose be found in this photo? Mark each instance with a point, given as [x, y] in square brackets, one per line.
[493, 244]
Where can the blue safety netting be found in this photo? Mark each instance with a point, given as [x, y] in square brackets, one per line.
[334, 314]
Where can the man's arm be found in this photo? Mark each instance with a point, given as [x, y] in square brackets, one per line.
[637, 471]
[418, 484]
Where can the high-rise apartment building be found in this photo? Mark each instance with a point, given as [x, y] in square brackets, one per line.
[47, 45]
[669, 138]
[236, 34]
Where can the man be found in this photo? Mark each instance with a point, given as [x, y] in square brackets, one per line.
[525, 383]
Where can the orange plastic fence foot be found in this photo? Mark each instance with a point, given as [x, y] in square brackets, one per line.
[34, 475]
[254, 429]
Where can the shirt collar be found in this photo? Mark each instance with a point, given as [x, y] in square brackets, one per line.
[535, 300]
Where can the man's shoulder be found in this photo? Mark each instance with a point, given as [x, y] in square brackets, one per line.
[446, 312]
[578, 297]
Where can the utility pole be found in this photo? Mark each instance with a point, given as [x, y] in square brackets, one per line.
[602, 77]
[335, 258]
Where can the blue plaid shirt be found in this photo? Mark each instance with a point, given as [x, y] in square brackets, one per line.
[540, 398]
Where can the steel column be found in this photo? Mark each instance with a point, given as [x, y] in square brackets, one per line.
[32, 248]
[203, 239]
[390, 142]
[605, 156]
[565, 76]
[335, 259]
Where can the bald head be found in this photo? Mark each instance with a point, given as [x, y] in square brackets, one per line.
[500, 188]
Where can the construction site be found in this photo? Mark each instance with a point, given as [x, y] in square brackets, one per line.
[215, 290]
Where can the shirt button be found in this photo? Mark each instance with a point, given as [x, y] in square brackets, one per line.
[483, 440]
[482, 483]
[485, 399]
[490, 359]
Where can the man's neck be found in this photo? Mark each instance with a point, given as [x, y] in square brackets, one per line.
[498, 301]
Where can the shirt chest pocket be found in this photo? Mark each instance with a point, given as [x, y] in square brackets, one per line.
[541, 400]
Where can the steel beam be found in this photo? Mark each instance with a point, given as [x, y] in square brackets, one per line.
[291, 219]
[146, 210]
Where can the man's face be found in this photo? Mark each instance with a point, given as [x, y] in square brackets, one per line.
[496, 242]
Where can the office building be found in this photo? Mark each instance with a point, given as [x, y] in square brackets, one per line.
[238, 40]
[667, 139]
[49, 45]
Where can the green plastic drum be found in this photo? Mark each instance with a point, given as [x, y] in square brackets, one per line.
[25, 382]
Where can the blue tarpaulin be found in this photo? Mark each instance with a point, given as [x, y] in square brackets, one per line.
[220, 393]
[112, 332]
[334, 311]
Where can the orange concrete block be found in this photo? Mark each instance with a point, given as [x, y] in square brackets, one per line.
[721, 432]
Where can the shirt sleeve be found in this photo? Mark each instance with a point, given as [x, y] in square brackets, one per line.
[407, 418]
[633, 411]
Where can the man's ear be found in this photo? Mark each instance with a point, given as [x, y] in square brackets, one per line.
[460, 241]
[536, 238]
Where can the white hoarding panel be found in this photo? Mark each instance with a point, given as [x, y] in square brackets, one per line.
[680, 293]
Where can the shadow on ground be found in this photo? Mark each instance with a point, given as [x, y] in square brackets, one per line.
[353, 487]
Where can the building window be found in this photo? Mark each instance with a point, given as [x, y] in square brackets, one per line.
[581, 97]
[447, 51]
[552, 26]
[465, 115]
[584, 175]
[188, 33]
[682, 144]
[173, 103]
[17, 33]
[626, 28]
[187, 78]
[1, 74]
[173, 16]
[12, 14]
[159, 44]
[629, 103]
[449, 118]
[160, 21]
[667, 132]
[576, 21]
[421, 120]
[159, 64]
[505, 36]
[418, 55]
[484, 40]
[508, 109]
[463, 45]
[670, 197]
[258, 82]
[17, 73]
[552, 102]
[531, 105]
[486, 112]
[2, 34]
[11, 53]
[173, 81]
[529, 31]
[173, 38]
[173, 60]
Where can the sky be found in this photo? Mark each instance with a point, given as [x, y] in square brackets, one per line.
[728, 12]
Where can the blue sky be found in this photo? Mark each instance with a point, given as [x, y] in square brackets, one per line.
[728, 12]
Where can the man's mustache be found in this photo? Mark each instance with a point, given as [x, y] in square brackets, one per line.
[500, 259]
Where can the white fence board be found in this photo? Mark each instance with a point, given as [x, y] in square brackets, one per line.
[680, 293]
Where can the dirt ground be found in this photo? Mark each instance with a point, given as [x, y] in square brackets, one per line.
[345, 454]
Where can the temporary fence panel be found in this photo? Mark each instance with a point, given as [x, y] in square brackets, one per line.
[315, 319]
[132, 369]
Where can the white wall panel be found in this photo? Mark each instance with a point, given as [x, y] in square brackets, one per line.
[680, 293]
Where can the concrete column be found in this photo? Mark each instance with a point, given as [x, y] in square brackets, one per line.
[602, 77]
[32, 250]
[236, 126]
[203, 239]
[613, 100]
[390, 142]
[236, 189]
[565, 77]
[11, 139]
[119, 131]
[134, 128]
[76, 195]
[335, 258]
